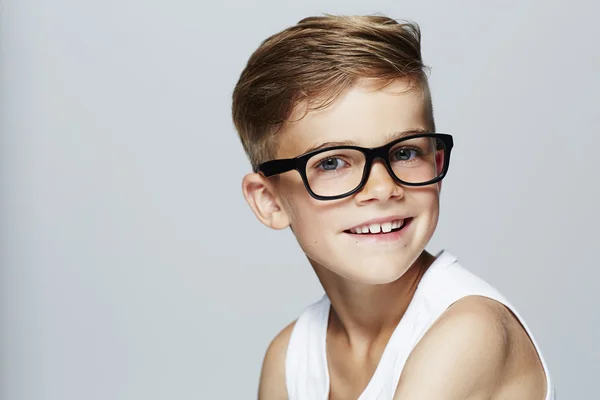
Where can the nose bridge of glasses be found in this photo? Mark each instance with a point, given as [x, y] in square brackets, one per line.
[379, 157]
[381, 154]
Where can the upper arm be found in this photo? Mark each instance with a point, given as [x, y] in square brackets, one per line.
[462, 356]
[272, 377]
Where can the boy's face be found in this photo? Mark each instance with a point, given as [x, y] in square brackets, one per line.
[367, 117]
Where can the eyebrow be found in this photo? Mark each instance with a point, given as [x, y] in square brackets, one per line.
[392, 136]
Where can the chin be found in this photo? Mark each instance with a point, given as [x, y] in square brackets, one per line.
[382, 271]
[375, 270]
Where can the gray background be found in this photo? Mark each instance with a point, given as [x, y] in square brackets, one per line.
[132, 268]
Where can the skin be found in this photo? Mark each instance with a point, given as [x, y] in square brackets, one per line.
[476, 350]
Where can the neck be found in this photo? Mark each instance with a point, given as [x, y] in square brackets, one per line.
[364, 313]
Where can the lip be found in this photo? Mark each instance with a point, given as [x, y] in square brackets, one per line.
[378, 221]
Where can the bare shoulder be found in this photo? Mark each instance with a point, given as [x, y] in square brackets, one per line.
[272, 377]
[476, 349]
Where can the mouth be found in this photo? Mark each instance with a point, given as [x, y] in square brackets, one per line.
[382, 229]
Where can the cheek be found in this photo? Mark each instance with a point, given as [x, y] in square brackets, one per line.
[426, 200]
[312, 221]
[308, 219]
[310, 231]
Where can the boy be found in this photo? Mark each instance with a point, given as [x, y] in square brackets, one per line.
[335, 115]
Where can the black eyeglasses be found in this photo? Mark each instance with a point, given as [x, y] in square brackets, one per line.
[336, 172]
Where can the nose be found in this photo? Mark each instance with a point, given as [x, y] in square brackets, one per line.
[380, 186]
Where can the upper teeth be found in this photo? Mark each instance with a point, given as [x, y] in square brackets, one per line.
[376, 228]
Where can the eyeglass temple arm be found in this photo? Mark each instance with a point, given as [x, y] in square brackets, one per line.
[273, 167]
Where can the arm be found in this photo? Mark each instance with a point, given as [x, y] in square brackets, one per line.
[272, 377]
[463, 356]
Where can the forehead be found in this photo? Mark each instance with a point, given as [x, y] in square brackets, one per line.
[366, 115]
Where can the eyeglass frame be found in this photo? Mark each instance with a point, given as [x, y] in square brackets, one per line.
[280, 166]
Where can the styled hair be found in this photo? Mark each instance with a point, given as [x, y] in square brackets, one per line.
[314, 62]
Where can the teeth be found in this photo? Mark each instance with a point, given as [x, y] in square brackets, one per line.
[375, 228]
[386, 227]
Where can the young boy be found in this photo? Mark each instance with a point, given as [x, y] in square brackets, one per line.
[335, 115]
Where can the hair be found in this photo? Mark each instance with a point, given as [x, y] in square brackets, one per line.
[316, 61]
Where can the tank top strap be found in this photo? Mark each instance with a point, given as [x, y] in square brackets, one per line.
[405, 337]
[306, 372]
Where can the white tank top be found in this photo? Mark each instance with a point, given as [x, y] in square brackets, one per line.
[444, 282]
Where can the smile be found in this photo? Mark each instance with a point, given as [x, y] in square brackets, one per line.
[376, 229]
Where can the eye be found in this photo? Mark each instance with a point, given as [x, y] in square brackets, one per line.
[404, 154]
[331, 164]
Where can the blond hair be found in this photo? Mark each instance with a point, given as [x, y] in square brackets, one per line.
[315, 61]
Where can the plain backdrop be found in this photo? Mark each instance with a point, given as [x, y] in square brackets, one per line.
[131, 266]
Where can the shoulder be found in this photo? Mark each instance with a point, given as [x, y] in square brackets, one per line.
[486, 319]
[272, 377]
[470, 334]
[470, 351]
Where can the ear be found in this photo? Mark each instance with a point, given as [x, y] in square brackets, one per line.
[262, 199]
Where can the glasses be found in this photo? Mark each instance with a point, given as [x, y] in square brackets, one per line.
[336, 172]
